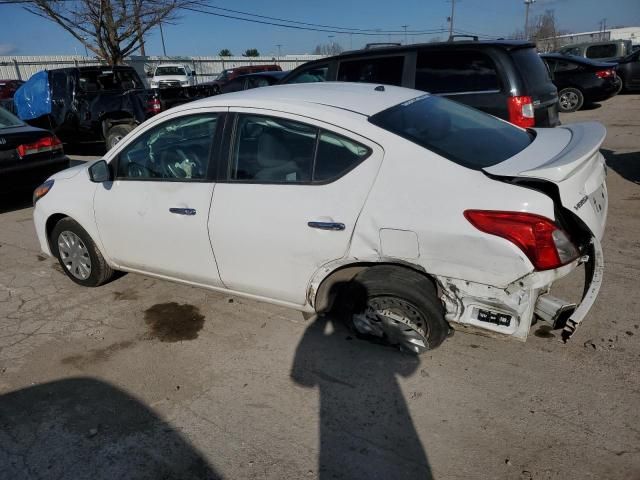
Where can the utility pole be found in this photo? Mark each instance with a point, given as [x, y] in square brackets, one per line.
[164, 50]
[453, 4]
[527, 4]
[405, 34]
[279, 51]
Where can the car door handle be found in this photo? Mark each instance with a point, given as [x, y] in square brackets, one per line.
[183, 211]
[327, 225]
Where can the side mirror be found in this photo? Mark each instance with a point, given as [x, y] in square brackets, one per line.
[99, 172]
[150, 74]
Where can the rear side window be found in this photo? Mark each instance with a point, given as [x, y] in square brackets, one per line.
[532, 69]
[387, 70]
[275, 150]
[272, 150]
[461, 134]
[571, 51]
[336, 156]
[317, 73]
[449, 72]
[562, 66]
[602, 51]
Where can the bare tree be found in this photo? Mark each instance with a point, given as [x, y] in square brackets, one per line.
[544, 31]
[332, 48]
[112, 29]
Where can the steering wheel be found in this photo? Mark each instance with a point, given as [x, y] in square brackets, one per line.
[135, 170]
[176, 170]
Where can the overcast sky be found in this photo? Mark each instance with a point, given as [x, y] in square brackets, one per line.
[22, 33]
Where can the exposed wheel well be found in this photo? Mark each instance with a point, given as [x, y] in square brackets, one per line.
[50, 225]
[341, 276]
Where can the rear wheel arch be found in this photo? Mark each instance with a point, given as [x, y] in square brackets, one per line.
[324, 296]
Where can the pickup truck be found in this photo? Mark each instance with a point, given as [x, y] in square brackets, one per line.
[97, 103]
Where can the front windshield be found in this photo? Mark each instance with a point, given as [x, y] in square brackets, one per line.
[7, 120]
[169, 71]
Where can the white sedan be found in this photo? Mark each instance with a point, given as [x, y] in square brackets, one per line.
[414, 211]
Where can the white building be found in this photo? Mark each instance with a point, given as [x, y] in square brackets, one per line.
[625, 33]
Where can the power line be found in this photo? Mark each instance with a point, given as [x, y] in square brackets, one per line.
[314, 29]
[206, 5]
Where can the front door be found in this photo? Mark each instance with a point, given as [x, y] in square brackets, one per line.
[287, 202]
[153, 217]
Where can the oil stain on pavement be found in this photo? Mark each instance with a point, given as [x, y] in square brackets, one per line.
[172, 322]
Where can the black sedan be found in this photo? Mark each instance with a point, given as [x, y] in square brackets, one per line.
[581, 81]
[28, 155]
[252, 80]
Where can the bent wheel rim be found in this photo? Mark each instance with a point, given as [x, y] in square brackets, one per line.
[74, 255]
[393, 319]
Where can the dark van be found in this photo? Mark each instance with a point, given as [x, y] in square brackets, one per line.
[505, 78]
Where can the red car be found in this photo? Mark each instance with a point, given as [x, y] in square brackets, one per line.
[8, 88]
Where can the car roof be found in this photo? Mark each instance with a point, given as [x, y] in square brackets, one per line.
[575, 59]
[171, 65]
[362, 98]
[269, 73]
[459, 44]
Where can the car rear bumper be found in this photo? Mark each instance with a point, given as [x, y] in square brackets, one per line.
[594, 273]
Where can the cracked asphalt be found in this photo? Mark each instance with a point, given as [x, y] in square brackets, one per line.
[146, 379]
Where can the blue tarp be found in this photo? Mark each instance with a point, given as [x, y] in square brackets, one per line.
[33, 99]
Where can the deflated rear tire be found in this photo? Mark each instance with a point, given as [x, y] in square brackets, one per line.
[78, 255]
[398, 307]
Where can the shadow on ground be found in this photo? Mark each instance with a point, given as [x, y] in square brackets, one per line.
[85, 428]
[626, 165]
[366, 430]
[591, 106]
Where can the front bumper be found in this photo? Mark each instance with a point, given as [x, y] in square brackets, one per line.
[594, 273]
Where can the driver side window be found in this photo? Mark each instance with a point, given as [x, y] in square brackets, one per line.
[178, 149]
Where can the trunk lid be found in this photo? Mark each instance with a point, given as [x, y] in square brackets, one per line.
[568, 156]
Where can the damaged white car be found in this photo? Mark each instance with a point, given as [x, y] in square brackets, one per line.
[416, 212]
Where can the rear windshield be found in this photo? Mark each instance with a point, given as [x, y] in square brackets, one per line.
[7, 120]
[532, 68]
[170, 71]
[464, 135]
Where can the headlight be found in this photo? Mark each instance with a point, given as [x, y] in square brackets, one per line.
[42, 190]
[184, 83]
[154, 84]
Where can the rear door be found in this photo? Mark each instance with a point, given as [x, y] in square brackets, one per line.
[287, 201]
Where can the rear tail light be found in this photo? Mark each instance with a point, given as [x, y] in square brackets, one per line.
[46, 144]
[154, 106]
[521, 111]
[610, 73]
[541, 240]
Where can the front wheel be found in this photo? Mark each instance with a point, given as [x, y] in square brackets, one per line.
[78, 254]
[570, 100]
[401, 308]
